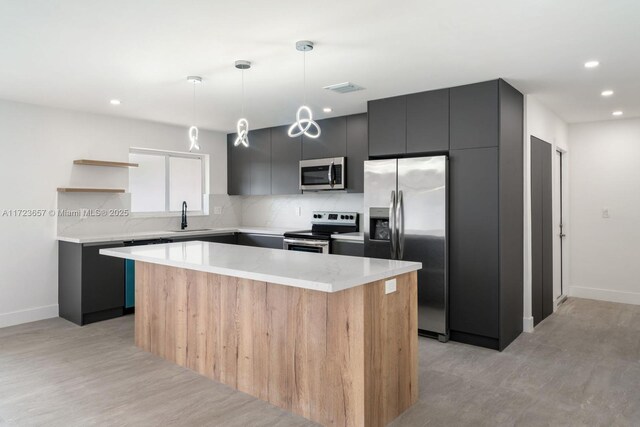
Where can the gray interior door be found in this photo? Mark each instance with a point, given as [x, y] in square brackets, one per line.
[541, 230]
[422, 200]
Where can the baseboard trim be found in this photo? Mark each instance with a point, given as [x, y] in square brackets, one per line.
[527, 324]
[605, 295]
[28, 315]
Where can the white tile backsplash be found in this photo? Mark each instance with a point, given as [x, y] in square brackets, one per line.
[235, 211]
[282, 211]
[230, 216]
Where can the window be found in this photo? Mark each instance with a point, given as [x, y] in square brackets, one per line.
[164, 179]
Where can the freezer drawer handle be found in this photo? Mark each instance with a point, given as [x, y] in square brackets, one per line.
[392, 224]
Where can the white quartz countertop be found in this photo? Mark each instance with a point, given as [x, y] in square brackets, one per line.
[168, 234]
[320, 272]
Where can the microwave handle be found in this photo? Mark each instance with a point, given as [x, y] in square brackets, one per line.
[331, 174]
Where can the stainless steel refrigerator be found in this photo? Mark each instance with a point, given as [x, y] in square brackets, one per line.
[405, 208]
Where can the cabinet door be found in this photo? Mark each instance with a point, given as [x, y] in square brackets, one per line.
[428, 122]
[332, 141]
[286, 153]
[260, 163]
[474, 115]
[388, 126]
[213, 238]
[238, 168]
[102, 279]
[261, 240]
[342, 247]
[357, 152]
[473, 242]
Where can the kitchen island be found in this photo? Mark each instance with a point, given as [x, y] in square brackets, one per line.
[332, 338]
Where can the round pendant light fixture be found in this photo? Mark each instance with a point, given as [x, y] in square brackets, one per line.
[193, 130]
[242, 127]
[304, 125]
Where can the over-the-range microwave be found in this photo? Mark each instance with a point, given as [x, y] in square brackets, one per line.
[323, 174]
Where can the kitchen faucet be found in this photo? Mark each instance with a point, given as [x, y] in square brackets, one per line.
[183, 224]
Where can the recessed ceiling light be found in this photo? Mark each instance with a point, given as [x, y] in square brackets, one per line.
[115, 102]
[607, 93]
[327, 109]
[616, 113]
[591, 64]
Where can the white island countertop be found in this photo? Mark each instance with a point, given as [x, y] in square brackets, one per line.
[320, 272]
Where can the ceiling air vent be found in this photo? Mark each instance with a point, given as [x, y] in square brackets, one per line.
[345, 87]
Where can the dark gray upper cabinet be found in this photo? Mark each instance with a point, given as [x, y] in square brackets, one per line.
[286, 153]
[357, 152]
[260, 161]
[238, 168]
[428, 122]
[473, 242]
[332, 141]
[387, 126]
[249, 168]
[474, 115]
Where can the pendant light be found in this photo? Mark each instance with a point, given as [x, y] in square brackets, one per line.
[193, 130]
[304, 125]
[242, 127]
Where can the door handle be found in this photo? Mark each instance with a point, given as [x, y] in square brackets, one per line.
[331, 175]
[392, 224]
[400, 222]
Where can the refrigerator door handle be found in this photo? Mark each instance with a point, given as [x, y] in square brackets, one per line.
[392, 224]
[400, 224]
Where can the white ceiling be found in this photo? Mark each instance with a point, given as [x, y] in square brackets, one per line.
[79, 54]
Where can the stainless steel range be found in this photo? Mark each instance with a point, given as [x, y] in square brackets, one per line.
[323, 225]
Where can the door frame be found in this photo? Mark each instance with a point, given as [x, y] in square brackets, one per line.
[560, 213]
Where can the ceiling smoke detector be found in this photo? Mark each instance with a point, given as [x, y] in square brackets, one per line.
[345, 87]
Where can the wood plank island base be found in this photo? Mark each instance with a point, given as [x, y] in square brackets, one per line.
[344, 358]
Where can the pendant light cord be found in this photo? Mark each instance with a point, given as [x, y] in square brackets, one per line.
[194, 104]
[242, 101]
[304, 77]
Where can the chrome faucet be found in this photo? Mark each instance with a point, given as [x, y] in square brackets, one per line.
[183, 223]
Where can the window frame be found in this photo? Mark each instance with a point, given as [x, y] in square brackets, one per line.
[204, 185]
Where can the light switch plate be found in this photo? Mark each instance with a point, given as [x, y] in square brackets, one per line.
[605, 213]
[390, 286]
[217, 210]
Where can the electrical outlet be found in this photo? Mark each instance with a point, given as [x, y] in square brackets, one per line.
[605, 213]
[390, 286]
[217, 210]
[298, 210]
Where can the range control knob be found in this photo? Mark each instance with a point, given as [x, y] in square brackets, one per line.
[350, 216]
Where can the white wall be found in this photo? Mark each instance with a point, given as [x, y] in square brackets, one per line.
[546, 125]
[605, 173]
[38, 147]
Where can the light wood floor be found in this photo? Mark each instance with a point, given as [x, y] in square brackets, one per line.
[580, 367]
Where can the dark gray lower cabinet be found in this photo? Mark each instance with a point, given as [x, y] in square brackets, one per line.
[90, 285]
[261, 240]
[344, 247]
[229, 238]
